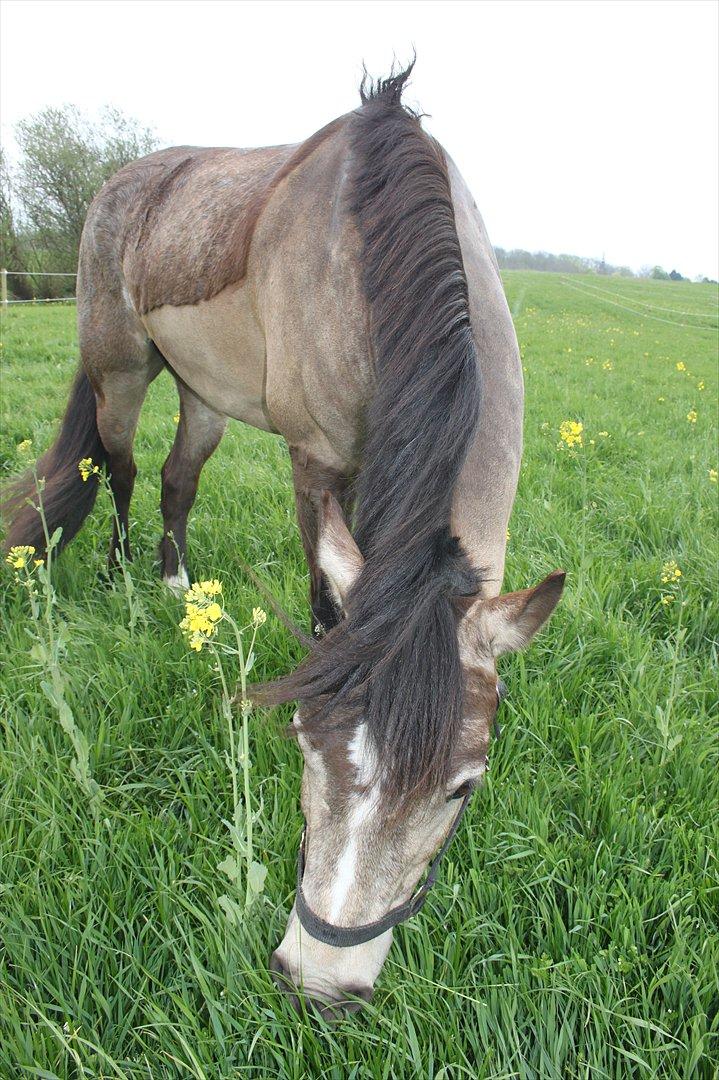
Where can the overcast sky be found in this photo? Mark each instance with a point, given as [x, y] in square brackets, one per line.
[581, 126]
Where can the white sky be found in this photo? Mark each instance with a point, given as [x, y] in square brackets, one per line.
[581, 126]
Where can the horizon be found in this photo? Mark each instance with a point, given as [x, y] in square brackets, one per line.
[603, 142]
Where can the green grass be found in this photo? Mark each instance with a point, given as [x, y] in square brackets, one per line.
[574, 929]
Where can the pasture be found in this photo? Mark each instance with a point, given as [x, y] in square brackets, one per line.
[573, 932]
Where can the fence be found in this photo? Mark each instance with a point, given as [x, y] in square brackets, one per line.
[31, 273]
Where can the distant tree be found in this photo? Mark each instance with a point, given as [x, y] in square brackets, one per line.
[11, 254]
[65, 160]
[676, 276]
[659, 274]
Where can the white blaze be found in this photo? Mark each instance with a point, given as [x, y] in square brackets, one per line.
[363, 806]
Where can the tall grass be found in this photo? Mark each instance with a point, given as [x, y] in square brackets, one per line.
[574, 929]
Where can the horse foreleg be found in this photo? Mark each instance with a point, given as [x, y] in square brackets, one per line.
[310, 479]
[199, 431]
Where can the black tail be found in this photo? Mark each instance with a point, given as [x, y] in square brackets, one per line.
[398, 644]
[67, 499]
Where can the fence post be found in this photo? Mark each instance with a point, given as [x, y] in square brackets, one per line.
[3, 287]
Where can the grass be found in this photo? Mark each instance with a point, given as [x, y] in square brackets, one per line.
[574, 929]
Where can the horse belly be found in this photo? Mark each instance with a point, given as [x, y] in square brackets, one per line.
[218, 349]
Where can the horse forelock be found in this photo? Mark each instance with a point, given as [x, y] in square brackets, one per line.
[394, 661]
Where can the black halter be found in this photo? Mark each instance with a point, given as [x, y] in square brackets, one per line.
[343, 937]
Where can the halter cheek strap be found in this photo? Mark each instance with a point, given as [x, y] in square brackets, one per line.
[343, 937]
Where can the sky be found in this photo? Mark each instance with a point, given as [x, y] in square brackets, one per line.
[581, 126]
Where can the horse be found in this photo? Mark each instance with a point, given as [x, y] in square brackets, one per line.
[343, 294]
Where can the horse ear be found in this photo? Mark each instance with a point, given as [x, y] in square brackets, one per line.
[338, 556]
[508, 623]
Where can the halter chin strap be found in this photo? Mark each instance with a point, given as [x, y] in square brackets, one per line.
[343, 937]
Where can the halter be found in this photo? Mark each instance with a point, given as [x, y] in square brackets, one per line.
[344, 937]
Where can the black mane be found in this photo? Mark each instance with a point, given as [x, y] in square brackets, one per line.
[394, 661]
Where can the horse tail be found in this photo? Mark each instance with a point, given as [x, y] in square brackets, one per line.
[56, 486]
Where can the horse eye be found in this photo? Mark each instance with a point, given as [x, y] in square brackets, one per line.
[462, 790]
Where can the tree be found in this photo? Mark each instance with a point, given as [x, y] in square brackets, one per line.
[66, 158]
[10, 244]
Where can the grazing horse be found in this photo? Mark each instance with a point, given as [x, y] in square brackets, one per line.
[343, 294]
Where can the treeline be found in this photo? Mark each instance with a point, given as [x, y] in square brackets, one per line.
[64, 159]
[517, 259]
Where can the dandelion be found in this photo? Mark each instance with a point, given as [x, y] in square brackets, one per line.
[259, 617]
[681, 366]
[24, 446]
[700, 385]
[607, 366]
[670, 572]
[88, 468]
[692, 416]
[18, 556]
[713, 475]
[570, 432]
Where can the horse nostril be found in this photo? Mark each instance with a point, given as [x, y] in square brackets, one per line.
[362, 992]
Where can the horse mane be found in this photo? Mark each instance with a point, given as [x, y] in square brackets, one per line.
[394, 661]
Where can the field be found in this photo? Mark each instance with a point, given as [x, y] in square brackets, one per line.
[573, 932]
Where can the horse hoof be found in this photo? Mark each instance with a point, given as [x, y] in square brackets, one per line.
[177, 583]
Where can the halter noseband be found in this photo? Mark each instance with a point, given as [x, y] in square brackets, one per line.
[343, 937]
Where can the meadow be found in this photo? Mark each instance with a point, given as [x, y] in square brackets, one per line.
[573, 932]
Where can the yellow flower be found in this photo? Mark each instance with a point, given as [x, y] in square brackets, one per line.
[700, 385]
[603, 434]
[607, 365]
[214, 612]
[176, 418]
[570, 432]
[211, 588]
[88, 468]
[258, 616]
[24, 446]
[670, 573]
[713, 475]
[681, 366]
[202, 613]
[660, 399]
[18, 556]
[667, 598]
[692, 416]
